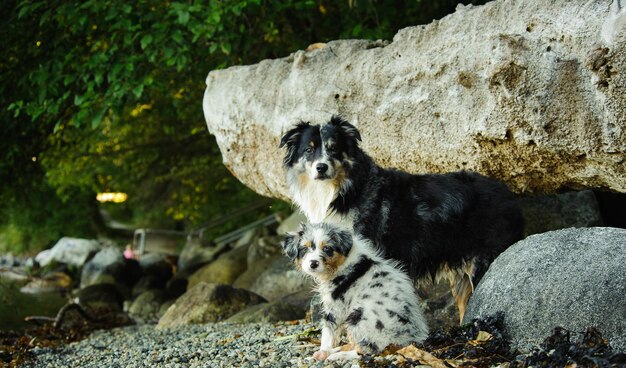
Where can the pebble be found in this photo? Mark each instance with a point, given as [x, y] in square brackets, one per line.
[208, 345]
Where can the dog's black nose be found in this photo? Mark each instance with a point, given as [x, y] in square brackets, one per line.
[321, 168]
[314, 264]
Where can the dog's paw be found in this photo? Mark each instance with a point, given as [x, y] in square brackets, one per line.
[343, 355]
[321, 355]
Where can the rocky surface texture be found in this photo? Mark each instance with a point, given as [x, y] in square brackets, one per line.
[572, 278]
[525, 91]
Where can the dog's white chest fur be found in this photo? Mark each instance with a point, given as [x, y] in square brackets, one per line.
[314, 198]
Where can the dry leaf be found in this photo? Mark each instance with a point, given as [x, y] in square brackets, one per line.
[483, 336]
[424, 357]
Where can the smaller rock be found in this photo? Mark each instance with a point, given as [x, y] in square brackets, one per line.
[146, 283]
[145, 308]
[110, 266]
[281, 279]
[158, 265]
[249, 277]
[223, 270]
[8, 260]
[207, 303]
[438, 305]
[291, 223]
[175, 287]
[196, 253]
[249, 236]
[289, 308]
[264, 248]
[100, 294]
[71, 251]
[52, 282]
[13, 276]
[544, 213]
[165, 306]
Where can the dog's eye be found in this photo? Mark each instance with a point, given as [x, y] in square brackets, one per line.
[302, 251]
[328, 251]
[309, 149]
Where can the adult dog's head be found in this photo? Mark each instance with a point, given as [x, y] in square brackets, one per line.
[319, 161]
[318, 250]
[322, 152]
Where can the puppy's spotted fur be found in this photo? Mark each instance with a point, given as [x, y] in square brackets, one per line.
[365, 294]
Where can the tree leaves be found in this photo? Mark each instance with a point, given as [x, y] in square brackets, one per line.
[108, 94]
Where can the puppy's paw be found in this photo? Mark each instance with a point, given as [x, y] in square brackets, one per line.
[321, 355]
[343, 355]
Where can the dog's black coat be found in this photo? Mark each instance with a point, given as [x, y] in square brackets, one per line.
[423, 221]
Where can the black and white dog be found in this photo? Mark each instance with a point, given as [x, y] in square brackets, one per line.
[451, 225]
[368, 296]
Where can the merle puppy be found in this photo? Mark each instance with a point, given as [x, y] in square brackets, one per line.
[368, 296]
[439, 226]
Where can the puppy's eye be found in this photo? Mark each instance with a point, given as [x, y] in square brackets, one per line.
[328, 251]
[309, 149]
[302, 251]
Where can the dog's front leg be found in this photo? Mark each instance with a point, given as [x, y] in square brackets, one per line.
[330, 336]
[346, 352]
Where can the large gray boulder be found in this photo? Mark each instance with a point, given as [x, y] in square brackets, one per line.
[526, 91]
[572, 278]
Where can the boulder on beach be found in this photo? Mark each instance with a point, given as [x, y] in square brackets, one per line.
[207, 302]
[223, 270]
[71, 251]
[571, 278]
[110, 266]
[280, 279]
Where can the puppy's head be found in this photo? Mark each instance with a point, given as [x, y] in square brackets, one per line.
[318, 249]
[321, 152]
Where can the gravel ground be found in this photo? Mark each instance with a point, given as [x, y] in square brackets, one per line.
[209, 345]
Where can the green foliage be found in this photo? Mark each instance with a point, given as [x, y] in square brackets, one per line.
[25, 230]
[107, 95]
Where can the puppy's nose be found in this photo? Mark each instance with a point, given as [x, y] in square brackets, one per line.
[314, 264]
[321, 168]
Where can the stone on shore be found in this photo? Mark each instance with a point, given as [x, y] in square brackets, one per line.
[280, 279]
[572, 278]
[223, 270]
[207, 303]
[71, 251]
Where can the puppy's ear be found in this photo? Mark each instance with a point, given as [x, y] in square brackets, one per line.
[290, 246]
[349, 130]
[343, 240]
[292, 139]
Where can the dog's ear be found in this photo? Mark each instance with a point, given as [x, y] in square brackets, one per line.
[293, 135]
[343, 240]
[291, 241]
[290, 245]
[348, 129]
[291, 139]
